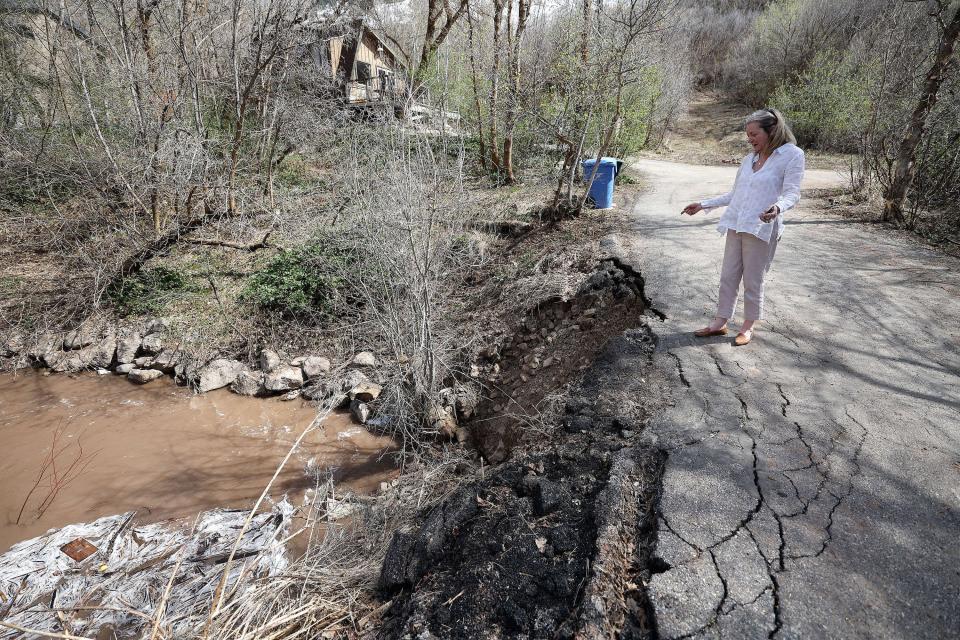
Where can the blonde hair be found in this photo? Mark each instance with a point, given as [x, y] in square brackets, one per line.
[773, 122]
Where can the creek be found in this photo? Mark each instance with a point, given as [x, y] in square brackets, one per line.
[75, 448]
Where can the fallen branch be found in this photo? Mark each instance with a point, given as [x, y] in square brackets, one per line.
[251, 246]
[42, 634]
[136, 261]
[511, 228]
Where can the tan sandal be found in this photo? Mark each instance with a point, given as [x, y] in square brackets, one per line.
[707, 332]
[743, 338]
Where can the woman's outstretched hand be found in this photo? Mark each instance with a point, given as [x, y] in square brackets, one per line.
[692, 208]
[770, 213]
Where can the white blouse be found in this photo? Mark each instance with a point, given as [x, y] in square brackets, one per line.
[777, 182]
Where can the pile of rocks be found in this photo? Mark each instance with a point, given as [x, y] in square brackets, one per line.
[144, 353]
[147, 352]
[137, 352]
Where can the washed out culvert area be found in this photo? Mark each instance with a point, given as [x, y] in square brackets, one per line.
[555, 539]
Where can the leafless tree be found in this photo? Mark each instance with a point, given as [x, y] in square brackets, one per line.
[614, 64]
[440, 20]
[410, 225]
[947, 17]
[167, 116]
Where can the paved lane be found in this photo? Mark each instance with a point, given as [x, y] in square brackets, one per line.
[813, 483]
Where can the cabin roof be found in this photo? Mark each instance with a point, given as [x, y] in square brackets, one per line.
[384, 41]
[364, 28]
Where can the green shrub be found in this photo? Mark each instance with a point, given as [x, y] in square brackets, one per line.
[639, 105]
[145, 292]
[301, 282]
[828, 105]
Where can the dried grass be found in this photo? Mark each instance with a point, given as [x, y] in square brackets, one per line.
[330, 590]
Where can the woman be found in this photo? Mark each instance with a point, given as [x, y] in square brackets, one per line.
[767, 185]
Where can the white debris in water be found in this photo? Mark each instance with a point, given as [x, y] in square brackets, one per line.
[349, 433]
[133, 403]
[132, 568]
[257, 430]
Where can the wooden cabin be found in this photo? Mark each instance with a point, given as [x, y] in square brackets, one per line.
[367, 67]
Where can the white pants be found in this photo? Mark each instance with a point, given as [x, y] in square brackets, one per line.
[745, 257]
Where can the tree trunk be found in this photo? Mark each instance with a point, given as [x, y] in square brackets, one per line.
[585, 35]
[495, 82]
[436, 32]
[510, 120]
[905, 166]
[474, 73]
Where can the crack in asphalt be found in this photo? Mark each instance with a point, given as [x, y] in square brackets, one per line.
[823, 467]
[786, 400]
[811, 464]
[774, 587]
[745, 416]
[838, 499]
[670, 528]
[723, 596]
[761, 502]
[718, 610]
[716, 362]
[783, 335]
[683, 377]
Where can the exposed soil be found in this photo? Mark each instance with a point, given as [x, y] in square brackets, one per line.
[535, 316]
[555, 342]
[711, 132]
[529, 550]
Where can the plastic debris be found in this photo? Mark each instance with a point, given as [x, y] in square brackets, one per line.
[41, 581]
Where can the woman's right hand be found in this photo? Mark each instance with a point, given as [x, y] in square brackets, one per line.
[692, 208]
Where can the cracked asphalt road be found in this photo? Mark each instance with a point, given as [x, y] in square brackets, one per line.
[812, 488]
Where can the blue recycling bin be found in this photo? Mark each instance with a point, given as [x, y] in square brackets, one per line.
[601, 191]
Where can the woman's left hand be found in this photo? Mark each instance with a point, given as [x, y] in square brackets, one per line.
[770, 214]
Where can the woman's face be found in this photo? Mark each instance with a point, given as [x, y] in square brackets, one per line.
[757, 137]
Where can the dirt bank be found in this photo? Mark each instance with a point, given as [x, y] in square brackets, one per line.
[556, 541]
[711, 133]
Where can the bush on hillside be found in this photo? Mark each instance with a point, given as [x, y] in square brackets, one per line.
[303, 282]
[828, 105]
[145, 292]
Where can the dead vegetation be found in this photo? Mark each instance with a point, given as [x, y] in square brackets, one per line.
[51, 480]
[215, 188]
[512, 281]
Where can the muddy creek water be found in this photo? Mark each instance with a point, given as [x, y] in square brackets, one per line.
[73, 449]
